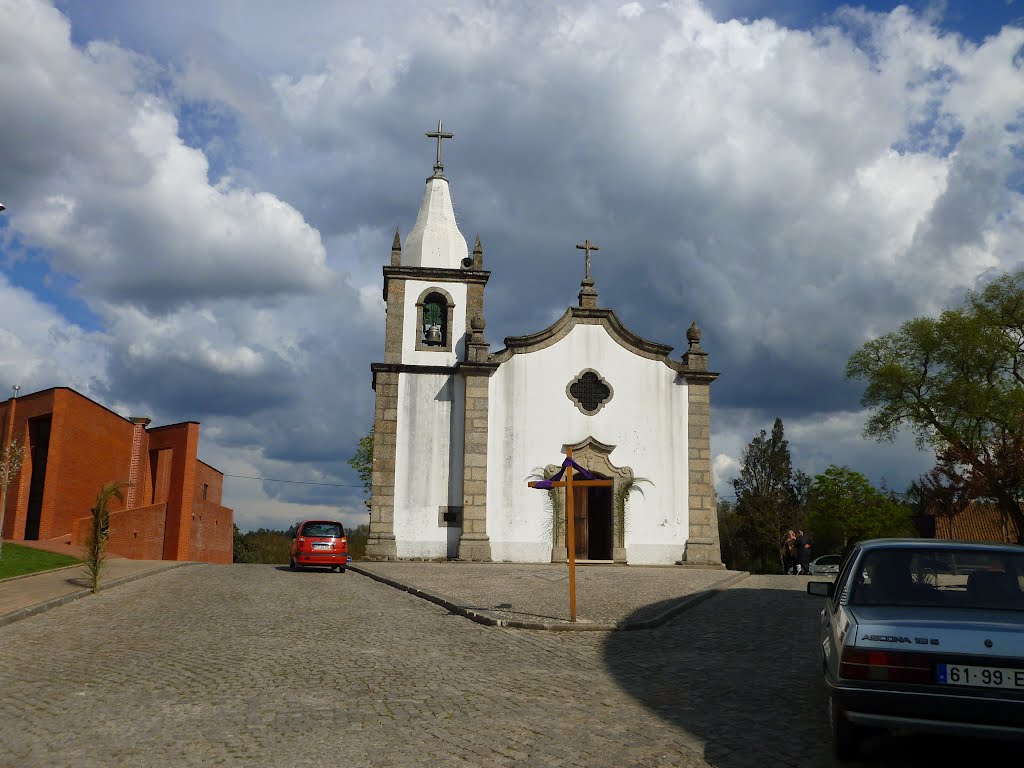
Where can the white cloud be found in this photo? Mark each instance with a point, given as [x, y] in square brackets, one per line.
[796, 192]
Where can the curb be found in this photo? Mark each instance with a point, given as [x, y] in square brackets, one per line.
[488, 619]
[20, 576]
[32, 610]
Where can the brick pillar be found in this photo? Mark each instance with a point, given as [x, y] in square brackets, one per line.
[703, 545]
[135, 468]
[380, 545]
[474, 544]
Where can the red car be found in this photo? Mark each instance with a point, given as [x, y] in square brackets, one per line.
[320, 542]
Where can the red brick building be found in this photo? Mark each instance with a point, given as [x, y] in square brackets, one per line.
[74, 446]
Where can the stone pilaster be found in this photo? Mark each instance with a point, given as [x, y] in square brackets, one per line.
[703, 545]
[474, 544]
[380, 544]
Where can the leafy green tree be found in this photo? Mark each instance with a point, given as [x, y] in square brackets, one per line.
[768, 496]
[958, 382]
[357, 541]
[362, 463]
[11, 456]
[844, 508]
[99, 531]
[239, 551]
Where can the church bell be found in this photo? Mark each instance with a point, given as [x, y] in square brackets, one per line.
[433, 335]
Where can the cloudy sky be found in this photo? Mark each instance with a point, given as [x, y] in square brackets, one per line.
[201, 196]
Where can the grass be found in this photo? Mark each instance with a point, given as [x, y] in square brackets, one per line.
[17, 560]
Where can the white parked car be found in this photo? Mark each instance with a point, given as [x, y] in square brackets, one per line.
[924, 635]
[825, 564]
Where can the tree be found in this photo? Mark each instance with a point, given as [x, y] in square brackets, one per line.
[844, 508]
[99, 531]
[958, 383]
[768, 495]
[362, 463]
[10, 464]
[238, 548]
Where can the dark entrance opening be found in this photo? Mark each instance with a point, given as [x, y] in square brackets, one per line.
[39, 442]
[592, 513]
[599, 523]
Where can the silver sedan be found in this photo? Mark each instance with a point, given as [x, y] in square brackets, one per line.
[924, 635]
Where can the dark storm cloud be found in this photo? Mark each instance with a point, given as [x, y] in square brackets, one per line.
[773, 185]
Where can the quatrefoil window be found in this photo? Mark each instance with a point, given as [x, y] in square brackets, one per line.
[589, 391]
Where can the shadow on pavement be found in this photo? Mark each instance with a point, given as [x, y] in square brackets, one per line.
[742, 673]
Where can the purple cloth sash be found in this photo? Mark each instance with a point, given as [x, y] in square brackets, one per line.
[548, 484]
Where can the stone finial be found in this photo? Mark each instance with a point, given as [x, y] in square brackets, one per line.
[693, 333]
[695, 357]
[478, 254]
[396, 250]
[477, 346]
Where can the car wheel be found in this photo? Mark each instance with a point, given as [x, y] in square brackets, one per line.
[341, 569]
[292, 565]
[846, 736]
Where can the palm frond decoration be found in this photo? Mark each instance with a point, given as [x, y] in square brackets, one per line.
[554, 499]
[623, 490]
[99, 532]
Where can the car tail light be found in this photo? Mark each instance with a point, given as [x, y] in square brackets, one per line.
[890, 666]
[344, 543]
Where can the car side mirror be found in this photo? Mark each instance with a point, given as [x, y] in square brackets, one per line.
[821, 588]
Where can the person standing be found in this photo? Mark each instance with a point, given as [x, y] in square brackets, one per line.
[803, 548]
[789, 553]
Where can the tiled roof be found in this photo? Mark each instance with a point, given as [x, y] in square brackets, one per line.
[979, 522]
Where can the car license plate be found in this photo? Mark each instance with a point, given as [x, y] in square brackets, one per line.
[321, 545]
[984, 677]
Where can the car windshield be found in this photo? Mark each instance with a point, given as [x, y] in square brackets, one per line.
[953, 578]
[324, 530]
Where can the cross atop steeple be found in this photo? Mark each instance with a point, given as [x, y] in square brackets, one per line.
[588, 246]
[440, 135]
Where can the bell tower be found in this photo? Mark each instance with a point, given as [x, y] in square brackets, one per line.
[434, 290]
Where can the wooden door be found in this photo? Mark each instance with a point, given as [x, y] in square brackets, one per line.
[580, 507]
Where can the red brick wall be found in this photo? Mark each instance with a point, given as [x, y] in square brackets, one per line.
[89, 447]
[25, 408]
[212, 534]
[183, 441]
[137, 534]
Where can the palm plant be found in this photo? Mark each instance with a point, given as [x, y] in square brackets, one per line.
[623, 490]
[554, 497]
[99, 532]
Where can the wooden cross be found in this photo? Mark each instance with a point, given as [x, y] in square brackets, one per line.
[587, 246]
[440, 135]
[569, 483]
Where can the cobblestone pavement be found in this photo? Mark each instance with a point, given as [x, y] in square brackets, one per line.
[538, 594]
[258, 666]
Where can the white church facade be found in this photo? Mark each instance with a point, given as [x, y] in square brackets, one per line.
[459, 430]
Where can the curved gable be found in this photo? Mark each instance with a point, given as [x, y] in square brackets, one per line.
[625, 338]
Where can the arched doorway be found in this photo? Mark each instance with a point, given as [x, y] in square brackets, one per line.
[598, 522]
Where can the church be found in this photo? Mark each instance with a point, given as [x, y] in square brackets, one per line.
[460, 431]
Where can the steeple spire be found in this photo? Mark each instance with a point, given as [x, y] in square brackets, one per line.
[435, 239]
